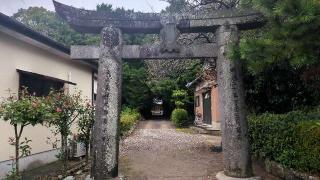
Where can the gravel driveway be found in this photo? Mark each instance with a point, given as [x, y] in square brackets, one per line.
[157, 151]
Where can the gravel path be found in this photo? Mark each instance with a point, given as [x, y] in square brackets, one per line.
[157, 151]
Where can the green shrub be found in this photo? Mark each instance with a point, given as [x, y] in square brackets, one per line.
[291, 139]
[128, 118]
[179, 117]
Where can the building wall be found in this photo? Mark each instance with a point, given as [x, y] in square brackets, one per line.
[16, 54]
[199, 109]
[214, 104]
[201, 88]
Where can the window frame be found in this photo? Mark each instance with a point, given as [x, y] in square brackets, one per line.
[40, 77]
[197, 101]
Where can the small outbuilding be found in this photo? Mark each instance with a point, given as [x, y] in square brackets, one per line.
[206, 106]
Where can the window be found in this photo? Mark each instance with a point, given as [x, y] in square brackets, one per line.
[197, 101]
[39, 85]
[94, 88]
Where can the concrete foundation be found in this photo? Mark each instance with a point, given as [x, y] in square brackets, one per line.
[30, 162]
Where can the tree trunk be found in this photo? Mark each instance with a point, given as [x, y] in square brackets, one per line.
[87, 143]
[17, 142]
[87, 153]
[64, 154]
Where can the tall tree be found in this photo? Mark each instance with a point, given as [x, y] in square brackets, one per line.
[51, 25]
[136, 92]
[282, 57]
[290, 35]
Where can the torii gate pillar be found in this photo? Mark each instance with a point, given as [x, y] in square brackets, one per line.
[108, 106]
[234, 128]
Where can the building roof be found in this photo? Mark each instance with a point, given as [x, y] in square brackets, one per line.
[194, 82]
[17, 27]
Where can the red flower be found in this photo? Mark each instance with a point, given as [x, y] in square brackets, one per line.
[58, 110]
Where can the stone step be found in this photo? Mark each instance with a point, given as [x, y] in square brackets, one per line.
[207, 129]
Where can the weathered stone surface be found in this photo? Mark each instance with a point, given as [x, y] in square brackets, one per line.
[234, 128]
[243, 19]
[85, 52]
[92, 22]
[169, 35]
[87, 21]
[133, 52]
[105, 131]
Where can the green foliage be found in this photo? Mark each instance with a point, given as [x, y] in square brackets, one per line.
[85, 124]
[279, 88]
[13, 175]
[179, 97]
[51, 25]
[180, 117]
[65, 108]
[291, 139]
[25, 148]
[278, 55]
[176, 80]
[163, 89]
[135, 91]
[24, 110]
[128, 118]
[175, 6]
[289, 35]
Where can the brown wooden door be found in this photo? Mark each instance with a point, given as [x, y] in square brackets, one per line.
[207, 107]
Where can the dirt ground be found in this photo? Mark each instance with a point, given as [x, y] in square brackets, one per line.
[156, 150]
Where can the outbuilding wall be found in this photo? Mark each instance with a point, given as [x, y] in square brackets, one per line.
[202, 87]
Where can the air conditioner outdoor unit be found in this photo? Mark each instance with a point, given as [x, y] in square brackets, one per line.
[79, 149]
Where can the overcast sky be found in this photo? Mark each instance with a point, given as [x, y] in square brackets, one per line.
[10, 7]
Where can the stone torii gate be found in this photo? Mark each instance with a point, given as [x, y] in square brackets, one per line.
[226, 25]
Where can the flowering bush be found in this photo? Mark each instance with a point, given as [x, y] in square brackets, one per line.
[65, 109]
[20, 112]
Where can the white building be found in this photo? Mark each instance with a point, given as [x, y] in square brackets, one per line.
[30, 59]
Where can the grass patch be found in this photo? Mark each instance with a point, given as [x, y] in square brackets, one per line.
[185, 130]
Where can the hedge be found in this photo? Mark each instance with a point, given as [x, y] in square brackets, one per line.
[128, 118]
[179, 117]
[292, 139]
